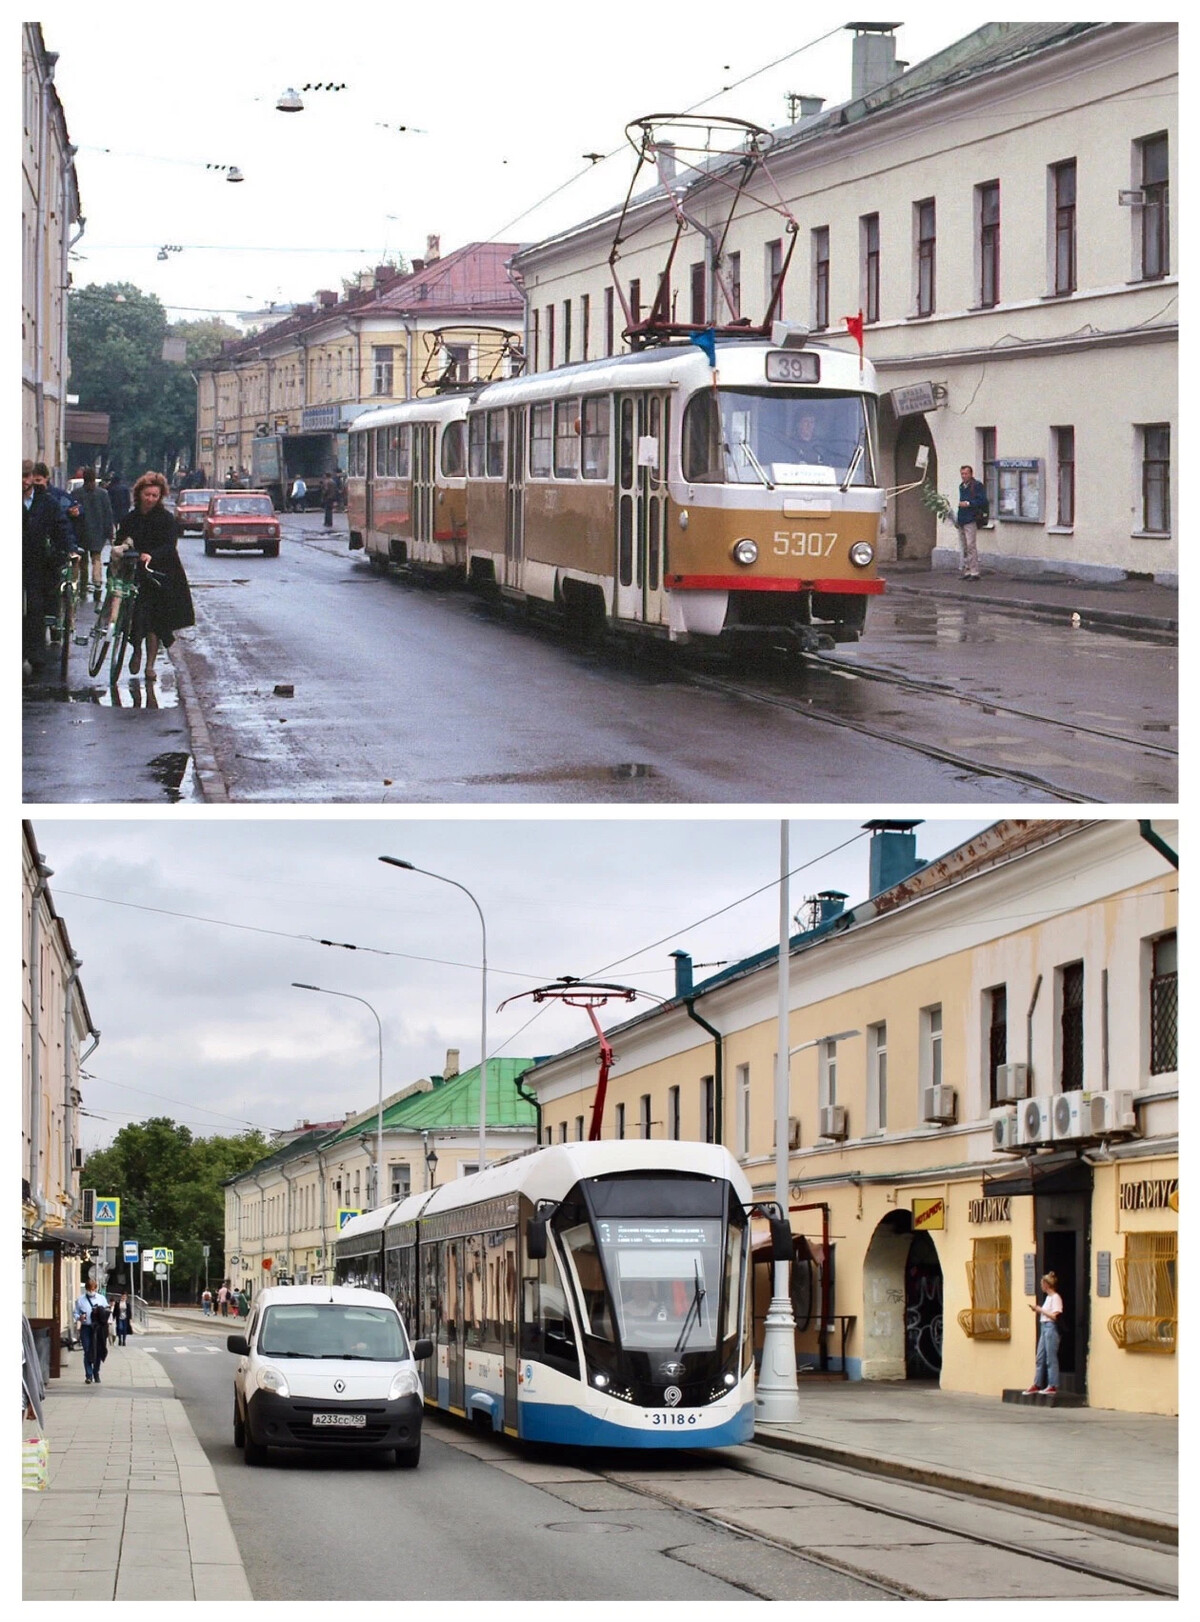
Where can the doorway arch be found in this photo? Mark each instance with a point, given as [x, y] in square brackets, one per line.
[902, 1303]
[915, 527]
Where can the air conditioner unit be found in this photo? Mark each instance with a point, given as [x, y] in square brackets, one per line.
[1071, 1115]
[833, 1121]
[1130, 198]
[1012, 1083]
[940, 1104]
[1112, 1113]
[793, 1131]
[1004, 1131]
[1033, 1121]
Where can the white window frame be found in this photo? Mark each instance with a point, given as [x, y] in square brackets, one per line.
[877, 1077]
[932, 1056]
[743, 1109]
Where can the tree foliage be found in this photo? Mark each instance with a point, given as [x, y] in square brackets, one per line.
[170, 1187]
[116, 337]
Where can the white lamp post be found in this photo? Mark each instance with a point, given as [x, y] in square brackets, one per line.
[395, 861]
[300, 985]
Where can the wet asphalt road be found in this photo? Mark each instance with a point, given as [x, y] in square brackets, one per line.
[407, 693]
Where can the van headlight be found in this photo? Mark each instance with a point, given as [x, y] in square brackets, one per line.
[861, 554]
[270, 1379]
[405, 1384]
[745, 552]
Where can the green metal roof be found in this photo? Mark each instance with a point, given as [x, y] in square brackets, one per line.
[454, 1104]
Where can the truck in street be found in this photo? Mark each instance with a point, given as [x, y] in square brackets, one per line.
[277, 459]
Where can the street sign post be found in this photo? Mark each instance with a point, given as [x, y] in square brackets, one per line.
[129, 1250]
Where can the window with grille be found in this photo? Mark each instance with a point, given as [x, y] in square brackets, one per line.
[1071, 1027]
[1149, 1322]
[1156, 478]
[1062, 178]
[1164, 1007]
[926, 213]
[1155, 233]
[870, 243]
[997, 1036]
[1064, 456]
[820, 243]
[989, 243]
[989, 1281]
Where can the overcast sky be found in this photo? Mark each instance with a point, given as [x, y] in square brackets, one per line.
[500, 104]
[199, 1020]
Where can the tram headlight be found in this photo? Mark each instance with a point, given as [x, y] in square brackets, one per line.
[600, 1381]
[861, 554]
[405, 1384]
[731, 1380]
[745, 552]
[270, 1379]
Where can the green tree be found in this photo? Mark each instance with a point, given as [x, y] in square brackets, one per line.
[169, 1183]
[116, 342]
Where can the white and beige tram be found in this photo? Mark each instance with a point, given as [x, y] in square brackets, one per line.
[406, 485]
[658, 493]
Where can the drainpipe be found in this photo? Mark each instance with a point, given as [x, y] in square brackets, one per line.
[1146, 829]
[1037, 986]
[288, 1219]
[683, 990]
[530, 1098]
[35, 1068]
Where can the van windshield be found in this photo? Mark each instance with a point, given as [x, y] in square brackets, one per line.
[327, 1329]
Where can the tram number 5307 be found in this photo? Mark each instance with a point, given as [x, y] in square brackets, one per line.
[665, 1416]
[800, 543]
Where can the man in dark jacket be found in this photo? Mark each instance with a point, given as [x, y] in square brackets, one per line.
[328, 497]
[119, 498]
[972, 511]
[47, 541]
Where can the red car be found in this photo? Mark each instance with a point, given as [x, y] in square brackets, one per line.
[190, 508]
[241, 519]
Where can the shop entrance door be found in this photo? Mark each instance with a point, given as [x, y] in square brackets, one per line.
[1063, 1246]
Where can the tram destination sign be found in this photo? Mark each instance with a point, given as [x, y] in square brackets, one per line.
[663, 1232]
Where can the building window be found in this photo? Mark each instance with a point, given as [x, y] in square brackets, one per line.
[1070, 989]
[562, 1131]
[989, 1279]
[673, 1113]
[735, 283]
[579, 1129]
[382, 363]
[931, 1046]
[820, 252]
[1164, 1006]
[1156, 256]
[537, 340]
[877, 1078]
[635, 301]
[1148, 1294]
[997, 1037]
[987, 466]
[1062, 180]
[827, 1058]
[926, 222]
[608, 320]
[1064, 461]
[869, 228]
[988, 205]
[698, 300]
[662, 299]
[707, 1113]
[566, 332]
[585, 321]
[644, 1115]
[620, 1113]
[400, 1180]
[1156, 478]
[774, 252]
[743, 1109]
[550, 336]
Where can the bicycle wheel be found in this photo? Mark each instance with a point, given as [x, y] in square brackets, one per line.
[101, 637]
[66, 626]
[120, 640]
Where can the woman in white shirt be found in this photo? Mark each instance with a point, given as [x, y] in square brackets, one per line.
[1045, 1377]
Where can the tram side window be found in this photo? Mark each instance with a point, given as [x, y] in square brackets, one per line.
[474, 1305]
[540, 431]
[449, 1280]
[566, 438]
[403, 451]
[596, 416]
[453, 451]
[495, 444]
[734, 1282]
[702, 439]
[546, 1330]
[589, 1277]
[430, 1294]
[476, 445]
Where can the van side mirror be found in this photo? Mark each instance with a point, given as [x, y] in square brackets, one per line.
[781, 1240]
[239, 1344]
[422, 1348]
[535, 1239]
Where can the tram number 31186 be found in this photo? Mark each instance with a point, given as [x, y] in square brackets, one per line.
[799, 543]
[664, 1416]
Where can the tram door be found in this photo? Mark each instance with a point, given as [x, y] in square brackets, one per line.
[422, 481]
[514, 498]
[369, 514]
[643, 433]
[452, 1320]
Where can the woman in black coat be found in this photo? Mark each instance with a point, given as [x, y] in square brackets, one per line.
[163, 606]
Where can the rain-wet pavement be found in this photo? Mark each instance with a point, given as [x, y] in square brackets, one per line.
[405, 693]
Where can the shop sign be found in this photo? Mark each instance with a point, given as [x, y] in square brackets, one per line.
[991, 1208]
[1104, 1272]
[928, 1214]
[1151, 1194]
[913, 398]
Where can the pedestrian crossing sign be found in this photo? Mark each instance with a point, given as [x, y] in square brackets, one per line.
[344, 1216]
[106, 1212]
[161, 1253]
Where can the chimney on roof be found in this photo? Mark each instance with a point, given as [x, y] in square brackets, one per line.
[893, 853]
[810, 106]
[450, 1069]
[433, 249]
[418, 266]
[325, 298]
[664, 159]
[873, 63]
[683, 974]
[304, 309]
[383, 275]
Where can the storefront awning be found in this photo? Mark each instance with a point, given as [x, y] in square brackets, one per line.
[1042, 1174]
[77, 1238]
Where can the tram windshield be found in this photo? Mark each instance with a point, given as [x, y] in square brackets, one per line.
[666, 1280]
[778, 437]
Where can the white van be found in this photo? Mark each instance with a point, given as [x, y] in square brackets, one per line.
[325, 1365]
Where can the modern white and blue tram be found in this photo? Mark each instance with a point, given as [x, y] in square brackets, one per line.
[596, 1294]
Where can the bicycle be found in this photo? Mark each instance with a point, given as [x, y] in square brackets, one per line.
[114, 622]
[61, 624]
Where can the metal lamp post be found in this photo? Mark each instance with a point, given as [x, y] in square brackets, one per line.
[431, 1160]
[395, 861]
[301, 985]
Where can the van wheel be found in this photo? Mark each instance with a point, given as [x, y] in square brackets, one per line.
[239, 1430]
[408, 1458]
[253, 1452]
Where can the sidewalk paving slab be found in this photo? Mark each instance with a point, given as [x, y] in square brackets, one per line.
[1131, 604]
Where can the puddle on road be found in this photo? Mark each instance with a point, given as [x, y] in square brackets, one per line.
[625, 772]
[176, 772]
[130, 693]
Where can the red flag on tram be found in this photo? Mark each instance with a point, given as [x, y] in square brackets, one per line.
[854, 326]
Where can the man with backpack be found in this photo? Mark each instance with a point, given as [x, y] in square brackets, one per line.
[92, 1315]
[972, 511]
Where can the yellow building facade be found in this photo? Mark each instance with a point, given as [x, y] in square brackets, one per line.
[1030, 973]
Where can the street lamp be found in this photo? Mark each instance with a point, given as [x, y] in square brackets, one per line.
[301, 985]
[430, 1160]
[395, 861]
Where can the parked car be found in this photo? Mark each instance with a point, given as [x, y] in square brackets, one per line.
[240, 520]
[327, 1366]
[191, 506]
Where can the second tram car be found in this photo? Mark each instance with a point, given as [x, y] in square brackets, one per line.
[587, 1293]
[406, 485]
[661, 493]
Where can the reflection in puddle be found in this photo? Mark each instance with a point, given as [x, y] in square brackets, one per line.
[130, 693]
[176, 772]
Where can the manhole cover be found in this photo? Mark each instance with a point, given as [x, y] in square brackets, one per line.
[575, 1527]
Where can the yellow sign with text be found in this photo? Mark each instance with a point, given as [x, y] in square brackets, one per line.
[928, 1214]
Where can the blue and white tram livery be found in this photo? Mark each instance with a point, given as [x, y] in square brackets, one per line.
[596, 1294]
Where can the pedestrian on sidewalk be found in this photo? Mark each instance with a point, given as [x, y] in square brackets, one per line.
[299, 494]
[206, 1303]
[223, 1300]
[163, 606]
[91, 1314]
[1045, 1379]
[121, 1317]
[97, 525]
[973, 510]
[47, 541]
[328, 497]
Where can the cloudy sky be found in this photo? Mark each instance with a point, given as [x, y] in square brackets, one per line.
[494, 114]
[191, 932]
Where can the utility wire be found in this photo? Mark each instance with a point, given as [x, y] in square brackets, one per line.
[128, 1087]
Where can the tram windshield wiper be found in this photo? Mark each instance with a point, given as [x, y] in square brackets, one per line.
[753, 460]
[693, 1312]
[853, 468]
